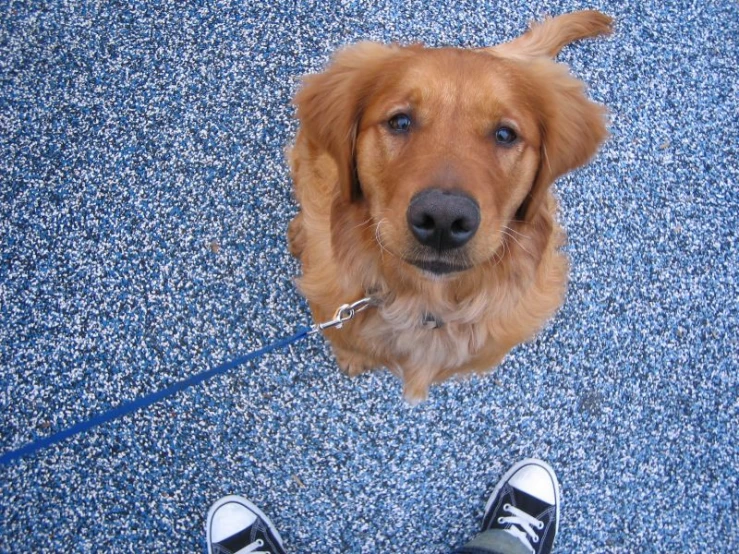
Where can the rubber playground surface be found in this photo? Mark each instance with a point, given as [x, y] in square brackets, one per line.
[144, 199]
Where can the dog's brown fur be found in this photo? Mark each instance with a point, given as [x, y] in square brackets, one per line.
[354, 179]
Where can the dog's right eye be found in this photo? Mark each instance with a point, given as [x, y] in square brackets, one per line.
[400, 123]
[505, 136]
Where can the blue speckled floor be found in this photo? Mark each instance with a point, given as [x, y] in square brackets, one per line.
[143, 206]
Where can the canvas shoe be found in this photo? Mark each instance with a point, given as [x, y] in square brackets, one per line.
[525, 503]
[236, 526]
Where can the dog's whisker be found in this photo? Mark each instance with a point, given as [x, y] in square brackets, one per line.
[378, 239]
[506, 252]
[508, 232]
[508, 229]
[365, 223]
[500, 253]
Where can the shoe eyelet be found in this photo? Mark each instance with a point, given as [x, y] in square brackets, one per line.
[507, 507]
[500, 521]
[540, 525]
[535, 539]
[260, 543]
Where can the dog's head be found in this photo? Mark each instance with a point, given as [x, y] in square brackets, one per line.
[446, 148]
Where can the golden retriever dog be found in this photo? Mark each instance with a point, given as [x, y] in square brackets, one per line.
[423, 177]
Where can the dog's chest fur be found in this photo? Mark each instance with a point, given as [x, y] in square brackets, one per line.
[419, 335]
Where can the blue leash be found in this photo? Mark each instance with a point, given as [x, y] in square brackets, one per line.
[129, 407]
[345, 313]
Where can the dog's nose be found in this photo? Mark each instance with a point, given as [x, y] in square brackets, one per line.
[443, 219]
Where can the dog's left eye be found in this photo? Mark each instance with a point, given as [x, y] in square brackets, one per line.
[505, 135]
[400, 123]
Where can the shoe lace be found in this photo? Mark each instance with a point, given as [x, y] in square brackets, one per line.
[252, 548]
[526, 522]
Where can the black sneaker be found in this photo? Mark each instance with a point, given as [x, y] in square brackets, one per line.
[525, 503]
[236, 526]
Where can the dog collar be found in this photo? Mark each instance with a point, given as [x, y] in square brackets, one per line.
[431, 321]
[428, 320]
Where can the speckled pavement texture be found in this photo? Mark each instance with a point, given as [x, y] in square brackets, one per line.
[143, 204]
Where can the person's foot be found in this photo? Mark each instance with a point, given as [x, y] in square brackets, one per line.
[525, 503]
[236, 526]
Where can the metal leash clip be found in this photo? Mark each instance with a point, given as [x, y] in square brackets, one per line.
[345, 313]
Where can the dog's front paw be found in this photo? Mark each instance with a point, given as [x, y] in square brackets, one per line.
[415, 392]
[352, 363]
[416, 384]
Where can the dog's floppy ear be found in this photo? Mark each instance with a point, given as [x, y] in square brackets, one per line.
[329, 106]
[572, 127]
